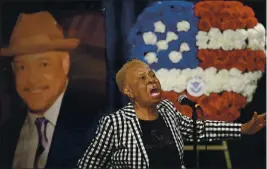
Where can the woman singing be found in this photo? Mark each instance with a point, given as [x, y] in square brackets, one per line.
[149, 132]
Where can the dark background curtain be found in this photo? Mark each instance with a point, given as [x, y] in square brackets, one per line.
[120, 16]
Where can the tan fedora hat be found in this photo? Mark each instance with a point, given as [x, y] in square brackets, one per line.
[35, 33]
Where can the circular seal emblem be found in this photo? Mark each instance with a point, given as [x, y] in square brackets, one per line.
[195, 87]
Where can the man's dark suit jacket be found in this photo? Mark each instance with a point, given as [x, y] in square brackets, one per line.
[75, 128]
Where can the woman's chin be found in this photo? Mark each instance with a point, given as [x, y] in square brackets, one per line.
[155, 100]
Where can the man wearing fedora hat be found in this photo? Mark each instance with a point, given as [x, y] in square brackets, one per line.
[54, 128]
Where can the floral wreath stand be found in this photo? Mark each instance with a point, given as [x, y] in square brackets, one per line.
[216, 147]
[212, 51]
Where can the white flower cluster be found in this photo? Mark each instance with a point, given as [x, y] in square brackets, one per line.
[214, 81]
[151, 57]
[150, 38]
[183, 26]
[256, 37]
[230, 39]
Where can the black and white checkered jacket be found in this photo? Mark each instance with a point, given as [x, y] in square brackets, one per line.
[118, 142]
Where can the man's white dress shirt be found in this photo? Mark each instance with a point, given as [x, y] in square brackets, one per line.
[28, 140]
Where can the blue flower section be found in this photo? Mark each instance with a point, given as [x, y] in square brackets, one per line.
[169, 13]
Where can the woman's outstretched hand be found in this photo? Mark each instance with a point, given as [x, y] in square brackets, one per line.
[256, 123]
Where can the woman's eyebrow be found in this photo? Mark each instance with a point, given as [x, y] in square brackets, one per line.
[140, 73]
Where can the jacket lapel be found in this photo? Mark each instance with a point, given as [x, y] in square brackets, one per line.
[134, 125]
[168, 117]
[62, 138]
[74, 129]
[135, 128]
[10, 133]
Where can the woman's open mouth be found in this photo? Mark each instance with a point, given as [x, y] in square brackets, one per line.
[155, 92]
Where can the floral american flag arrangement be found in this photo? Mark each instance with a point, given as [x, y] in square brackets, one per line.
[212, 51]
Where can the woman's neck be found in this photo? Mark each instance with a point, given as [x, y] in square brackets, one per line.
[146, 112]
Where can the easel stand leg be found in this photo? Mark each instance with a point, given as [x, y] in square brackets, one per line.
[194, 117]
